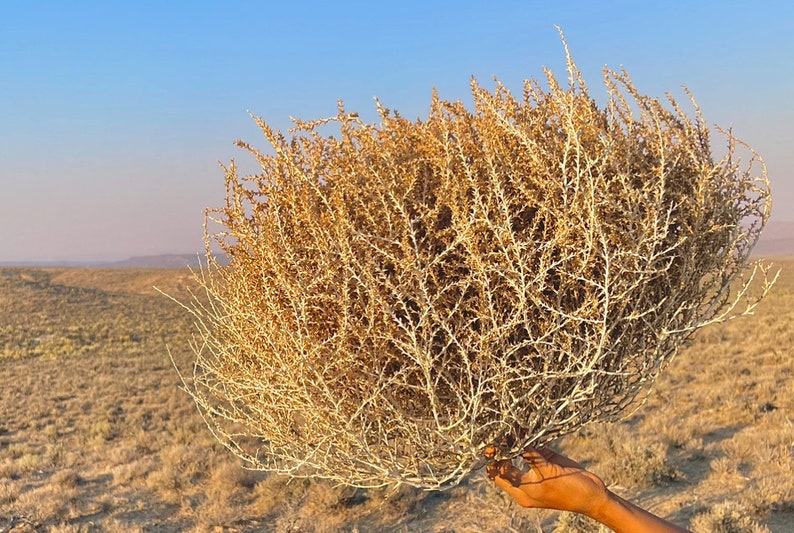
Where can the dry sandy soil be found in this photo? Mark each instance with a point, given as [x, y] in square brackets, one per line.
[95, 434]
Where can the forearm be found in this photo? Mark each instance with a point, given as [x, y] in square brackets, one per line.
[622, 516]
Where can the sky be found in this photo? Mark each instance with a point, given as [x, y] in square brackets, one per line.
[114, 116]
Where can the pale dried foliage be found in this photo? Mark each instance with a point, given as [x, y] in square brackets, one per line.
[402, 295]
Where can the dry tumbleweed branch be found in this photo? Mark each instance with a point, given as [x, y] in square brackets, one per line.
[402, 295]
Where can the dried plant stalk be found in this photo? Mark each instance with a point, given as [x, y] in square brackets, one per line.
[402, 295]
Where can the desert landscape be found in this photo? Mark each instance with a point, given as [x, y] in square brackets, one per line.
[329, 267]
[96, 435]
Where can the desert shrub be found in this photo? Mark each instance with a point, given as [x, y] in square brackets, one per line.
[577, 523]
[727, 517]
[636, 464]
[8, 491]
[402, 295]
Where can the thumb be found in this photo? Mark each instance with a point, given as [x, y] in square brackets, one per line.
[508, 478]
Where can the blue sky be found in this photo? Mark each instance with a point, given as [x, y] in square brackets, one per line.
[114, 115]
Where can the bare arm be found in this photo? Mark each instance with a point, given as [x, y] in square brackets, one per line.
[556, 482]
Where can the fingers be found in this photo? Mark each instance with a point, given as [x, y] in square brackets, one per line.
[521, 497]
[537, 457]
[492, 470]
[508, 478]
[504, 470]
[534, 458]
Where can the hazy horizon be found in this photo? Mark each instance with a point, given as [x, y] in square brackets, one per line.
[114, 116]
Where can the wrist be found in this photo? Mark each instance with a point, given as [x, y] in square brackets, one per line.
[609, 509]
[622, 516]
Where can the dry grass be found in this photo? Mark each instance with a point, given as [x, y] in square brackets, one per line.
[721, 416]
[402, 295]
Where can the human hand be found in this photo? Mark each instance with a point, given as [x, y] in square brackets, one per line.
[557, 482]
[552, 482]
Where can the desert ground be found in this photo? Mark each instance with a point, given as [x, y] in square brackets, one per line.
[96, 434]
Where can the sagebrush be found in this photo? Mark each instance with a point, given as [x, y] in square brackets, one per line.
[402, 295]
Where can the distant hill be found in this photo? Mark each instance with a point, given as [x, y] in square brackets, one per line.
[774, 248]
[778, 230]
[777, 240]
[159, 261]
[144, 261]
[70, 264]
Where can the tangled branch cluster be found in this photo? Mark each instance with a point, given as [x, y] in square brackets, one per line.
[402, 295]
